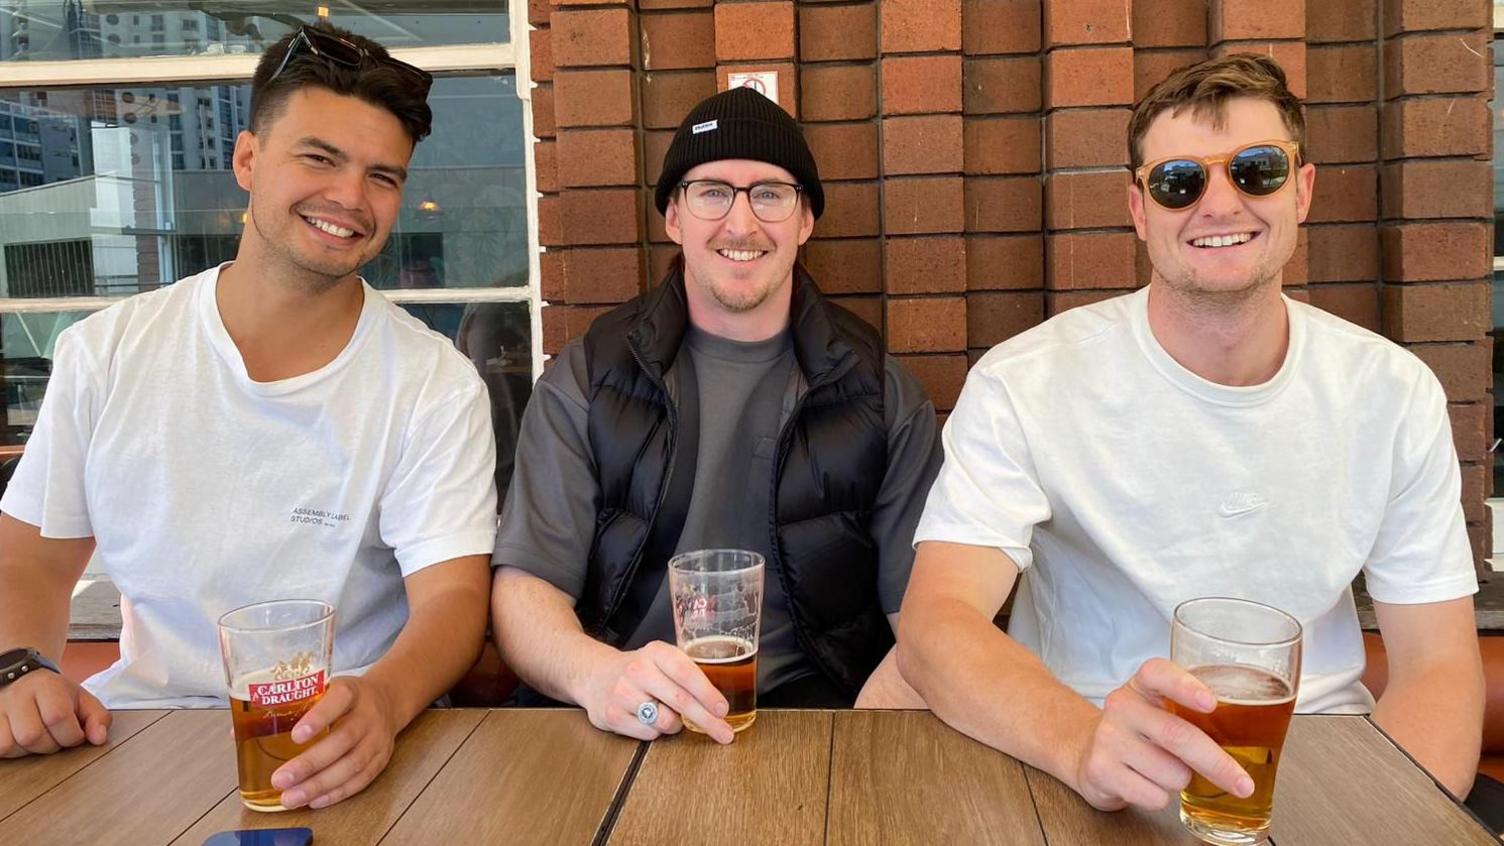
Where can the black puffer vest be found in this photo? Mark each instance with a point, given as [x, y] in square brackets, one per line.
[832, 454]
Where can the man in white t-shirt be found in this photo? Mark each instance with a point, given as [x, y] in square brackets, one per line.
[271, 428]
[1204, 435]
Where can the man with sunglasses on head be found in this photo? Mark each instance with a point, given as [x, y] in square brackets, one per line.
[730, 406]
[272, 428]
[1204, 435]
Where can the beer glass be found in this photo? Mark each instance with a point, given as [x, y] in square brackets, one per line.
[717, 601]
[1249, 655]
[277, 659]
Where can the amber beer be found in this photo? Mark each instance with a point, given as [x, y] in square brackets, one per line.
[263, 715]
[731, 665]
[1252, 715]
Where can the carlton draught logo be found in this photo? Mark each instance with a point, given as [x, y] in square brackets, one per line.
[291, 682]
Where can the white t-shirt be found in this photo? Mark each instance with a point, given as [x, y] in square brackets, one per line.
[206, 490]
[1121, 483]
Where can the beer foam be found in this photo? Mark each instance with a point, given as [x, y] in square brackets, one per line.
[720, 649]
[1240, 684]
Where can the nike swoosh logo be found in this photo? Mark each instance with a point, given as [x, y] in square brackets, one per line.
[1241, 503]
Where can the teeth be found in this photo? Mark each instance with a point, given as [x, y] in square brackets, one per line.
[1222, 240]
[337, 231]
[740, 255]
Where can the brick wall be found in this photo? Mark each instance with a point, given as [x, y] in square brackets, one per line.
[973, 155]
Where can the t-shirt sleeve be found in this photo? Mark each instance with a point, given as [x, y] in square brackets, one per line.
[440, 502]
[548, 520]
[1422, 553]
[47, 489]
[987, 492]
[913, 460]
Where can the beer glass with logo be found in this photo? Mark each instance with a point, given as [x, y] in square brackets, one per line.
[276, 658]
[717, 601]
[1249, 655]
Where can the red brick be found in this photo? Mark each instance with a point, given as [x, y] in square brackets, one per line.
[592, 37]
[837, 92]
[1169, 23]
[918, 26]
[851, 210]
[1472, 431]
[747, 32]
[992, 318]
[551, 274]
[668, 97]
[552, 319]
[611, 275]
[1096, 22]
[1343, 253]
[1150, 68]
[1415, 15]
[660, 261]
[868, 308]
[646, 5]
[1474, 491]
[836, 33]
[1433, 312]
[1341, 73]
[543, 112]
[540, 54]
[1345, 193]
[923, 205]
[546, 167]
[922, 144]
[1443, 126]
[601, 217]
[537, 12]
[1422, 252]
[677, 41]
[1086, 200]
[1420, 188]
[1002, 145]
[1289, 55]
[654, 147]
[1339, 134]
[597, 157]
[921, 85]
[1091, 76]
[653, 223]
[1341, 20]
[1004, 205]
[1090, 260]
[1464, 370]
[1436, 64]
[577, 319]
[1002, 85]
[941, 377]
[1255, 20]
[926, 324]
[594, 98]
[1296, 271]
[925, 265]
[845, 265]
[592, 2]
[1354, 303]
[1056, 302]
[550, 223]
[786, 79]
[1001, 26]
[843, 150]
[1007, 262]
[1086, 138]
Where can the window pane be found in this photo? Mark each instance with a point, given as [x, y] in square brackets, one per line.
[497, 337]
[53, 30]
[26, 342]
[1498, 299]
[111, 191]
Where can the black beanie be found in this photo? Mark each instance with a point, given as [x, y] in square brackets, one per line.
[740, 123]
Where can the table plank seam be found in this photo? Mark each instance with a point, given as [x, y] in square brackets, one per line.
[1461, 805]
[207, 811]
[1044, 832]
[437, 770]
[830, 776]
[75, 773]
[604, 831]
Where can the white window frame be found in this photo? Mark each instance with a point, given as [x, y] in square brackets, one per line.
[160, 70]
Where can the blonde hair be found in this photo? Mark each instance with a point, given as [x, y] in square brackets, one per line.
[1205, 88]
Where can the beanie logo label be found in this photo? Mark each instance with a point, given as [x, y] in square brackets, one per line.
[703, 127]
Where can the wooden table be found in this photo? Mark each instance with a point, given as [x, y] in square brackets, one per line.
[796, 777]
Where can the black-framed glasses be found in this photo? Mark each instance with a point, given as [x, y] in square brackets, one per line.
[712, 199]
[1257, 170]
[331, 47]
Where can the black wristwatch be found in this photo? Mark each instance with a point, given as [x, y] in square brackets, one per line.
[18, 662]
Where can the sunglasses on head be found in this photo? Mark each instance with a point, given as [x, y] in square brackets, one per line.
[1257, 170]
[332, 48]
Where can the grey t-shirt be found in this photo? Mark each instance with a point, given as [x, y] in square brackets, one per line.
[548, 521]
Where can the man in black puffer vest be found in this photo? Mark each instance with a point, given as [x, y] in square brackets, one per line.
[731, 406]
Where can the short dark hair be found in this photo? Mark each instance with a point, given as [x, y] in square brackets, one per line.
[373, 82]
[1205, 88]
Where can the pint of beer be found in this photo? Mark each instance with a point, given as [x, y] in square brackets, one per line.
[277, 660]
[1249, 655]
[717, 600]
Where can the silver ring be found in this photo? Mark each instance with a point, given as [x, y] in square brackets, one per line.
[647, 713]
